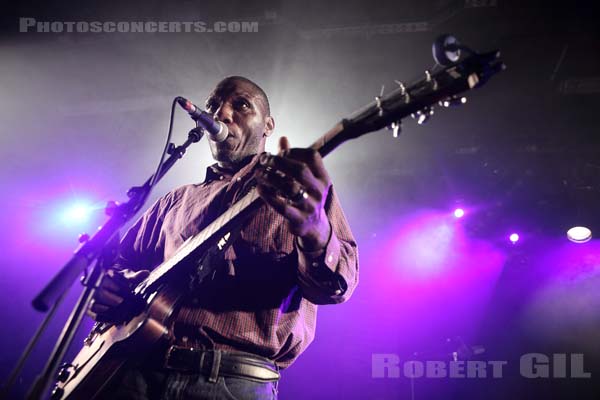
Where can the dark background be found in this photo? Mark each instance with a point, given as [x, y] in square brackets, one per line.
[84, 117]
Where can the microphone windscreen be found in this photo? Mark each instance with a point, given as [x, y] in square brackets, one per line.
[221, 135]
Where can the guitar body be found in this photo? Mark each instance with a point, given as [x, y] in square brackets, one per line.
[107, 350]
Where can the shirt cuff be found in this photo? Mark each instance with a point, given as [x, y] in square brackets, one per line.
[320, 268]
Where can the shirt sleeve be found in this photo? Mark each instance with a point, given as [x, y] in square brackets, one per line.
[142, 246]
[330, 275]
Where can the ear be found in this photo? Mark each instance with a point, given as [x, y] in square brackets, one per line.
[269, 126]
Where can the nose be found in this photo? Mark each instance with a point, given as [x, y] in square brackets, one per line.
[224, 113]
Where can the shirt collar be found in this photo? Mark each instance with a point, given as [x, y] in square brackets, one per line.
[215, 173]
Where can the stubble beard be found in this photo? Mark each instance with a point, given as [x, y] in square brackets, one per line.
[231, 155]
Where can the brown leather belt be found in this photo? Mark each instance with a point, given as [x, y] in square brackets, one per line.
[216, 363]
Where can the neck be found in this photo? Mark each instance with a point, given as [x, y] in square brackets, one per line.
[234, 166]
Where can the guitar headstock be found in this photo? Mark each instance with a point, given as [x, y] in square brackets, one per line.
[444, 85]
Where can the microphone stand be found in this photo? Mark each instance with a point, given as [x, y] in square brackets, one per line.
[102, 246]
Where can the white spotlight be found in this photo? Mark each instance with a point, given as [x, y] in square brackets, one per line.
[579, 234]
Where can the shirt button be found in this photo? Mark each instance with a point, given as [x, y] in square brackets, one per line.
[221, 177]
[239, 178]
[330, 258]
[338, 292]
[315, 264]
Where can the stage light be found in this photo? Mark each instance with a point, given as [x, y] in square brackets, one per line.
[459, 213]
[579, 234]
[514, 238]
[76, 214]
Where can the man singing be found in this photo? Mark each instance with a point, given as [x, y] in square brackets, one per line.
[236, 330]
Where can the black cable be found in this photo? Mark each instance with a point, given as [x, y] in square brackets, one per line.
[156, 174]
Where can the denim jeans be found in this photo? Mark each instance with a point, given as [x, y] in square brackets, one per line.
[138, 384]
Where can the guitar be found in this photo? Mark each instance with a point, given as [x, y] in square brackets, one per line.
[108, 347]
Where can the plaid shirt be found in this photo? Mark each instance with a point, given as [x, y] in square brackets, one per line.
[263, 296]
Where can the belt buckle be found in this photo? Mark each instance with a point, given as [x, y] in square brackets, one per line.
[169, 356]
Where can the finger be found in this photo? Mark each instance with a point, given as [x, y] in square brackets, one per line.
[311, 158]
[287, 190]
[281, 205]
[136, 277]
[114, 285]
[91, 314]
[282, 182]
[297, 170]
[101, 317]
[97, 308]
[284, 145]
[121, 282]
[107, 298]
[116, 279]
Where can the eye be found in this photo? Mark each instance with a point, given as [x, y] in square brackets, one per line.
[241, 104]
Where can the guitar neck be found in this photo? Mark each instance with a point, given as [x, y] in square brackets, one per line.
[332, 138]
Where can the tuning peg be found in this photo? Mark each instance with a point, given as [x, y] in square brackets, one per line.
[403, 91]
[378, 105]
[429, 78]
[84, 237]
[396, 128]
[453, 101]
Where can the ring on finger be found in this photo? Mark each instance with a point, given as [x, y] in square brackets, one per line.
[299, 197]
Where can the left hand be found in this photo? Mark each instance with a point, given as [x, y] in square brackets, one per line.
[295, 183]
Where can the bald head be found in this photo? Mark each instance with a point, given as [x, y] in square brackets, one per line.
[231, 81]
[244, 107]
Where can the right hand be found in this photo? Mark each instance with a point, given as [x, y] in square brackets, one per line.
[112, 299]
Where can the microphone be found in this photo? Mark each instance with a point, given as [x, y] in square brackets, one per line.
[217, 130]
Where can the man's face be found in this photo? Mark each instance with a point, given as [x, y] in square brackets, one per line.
[240, 106]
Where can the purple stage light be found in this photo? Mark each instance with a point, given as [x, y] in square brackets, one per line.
[459, 213]
[63, 216]
[423, 243]
[76, 214]
[514, 238]
[579, 234]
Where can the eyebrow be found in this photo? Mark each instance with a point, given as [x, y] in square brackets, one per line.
[244, 94]
[241, 94]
